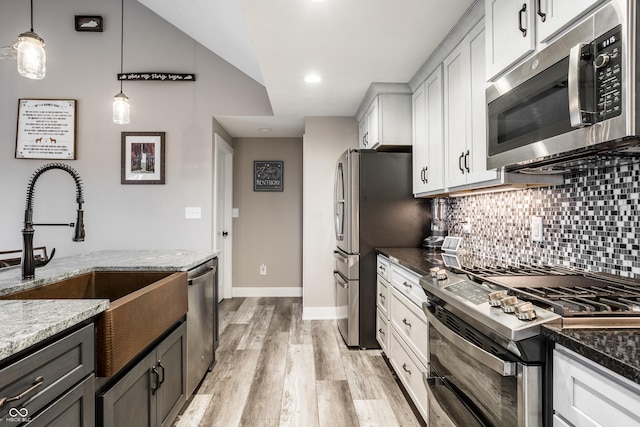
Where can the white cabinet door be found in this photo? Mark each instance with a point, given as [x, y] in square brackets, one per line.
[554, 15]
[428, 135]
[373, 116]
[476, 160]
[456, 88]
[434, 173]
[362, 132]
[420, 165]
[510, 33]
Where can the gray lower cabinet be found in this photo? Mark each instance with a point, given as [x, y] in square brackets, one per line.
[153, 391]
[53, 385]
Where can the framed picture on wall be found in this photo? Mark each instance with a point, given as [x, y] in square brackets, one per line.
[142, 158]
[268, 175]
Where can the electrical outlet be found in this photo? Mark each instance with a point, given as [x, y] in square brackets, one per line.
[192, 212]
[466, 226]
[263, 270]
[536, 229]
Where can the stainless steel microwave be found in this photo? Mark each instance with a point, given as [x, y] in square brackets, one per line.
[576, 98]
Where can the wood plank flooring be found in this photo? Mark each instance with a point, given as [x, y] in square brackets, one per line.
[275, 369]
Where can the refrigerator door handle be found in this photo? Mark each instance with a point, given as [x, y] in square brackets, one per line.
[340, 280]
[339, 203]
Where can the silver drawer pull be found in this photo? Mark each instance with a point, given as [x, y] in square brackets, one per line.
[36, 383]
[382, 296]
[406, 322]
[382, 268]
[404, 366]
[381, 332]
[408, 285]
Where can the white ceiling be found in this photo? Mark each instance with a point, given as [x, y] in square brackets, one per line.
[349, 43]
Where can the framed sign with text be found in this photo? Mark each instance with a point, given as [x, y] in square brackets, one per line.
[267, 175]
[46, 129]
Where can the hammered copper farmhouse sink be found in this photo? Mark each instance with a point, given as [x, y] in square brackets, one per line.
[143, 305]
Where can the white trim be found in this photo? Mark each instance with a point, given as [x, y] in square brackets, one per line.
[323, 313]
[267, 292]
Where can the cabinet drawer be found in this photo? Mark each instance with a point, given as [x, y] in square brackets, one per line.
[382, 330]
[411, 324]
[382, 296]
[60, 366]
[383, 267]
[587, 394]
[408, 283]
[410, 371]
[77, 408]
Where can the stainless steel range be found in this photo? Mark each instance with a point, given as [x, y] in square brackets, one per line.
[487, 354]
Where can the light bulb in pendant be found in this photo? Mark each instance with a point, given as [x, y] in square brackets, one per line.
[121, 109]
[32, 58]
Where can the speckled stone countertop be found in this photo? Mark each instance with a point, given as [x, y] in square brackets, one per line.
[615, 349]
[25, 323]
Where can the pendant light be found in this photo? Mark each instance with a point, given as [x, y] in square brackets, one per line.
[32, 58]
[121, 106]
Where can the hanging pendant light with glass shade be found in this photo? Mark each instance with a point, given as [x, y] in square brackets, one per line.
[121, 106]
[32, 58]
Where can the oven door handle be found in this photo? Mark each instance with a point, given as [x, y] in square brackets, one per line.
[340, 280]
[575, 106]
[444, 420]
[502, 367]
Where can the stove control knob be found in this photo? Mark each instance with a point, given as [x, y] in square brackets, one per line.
[495, 297]
[508, 303]
[525, 311]
[434, 271]
[442, 275]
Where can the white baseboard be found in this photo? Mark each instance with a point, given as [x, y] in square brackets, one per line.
[323, 313]
[267, 292]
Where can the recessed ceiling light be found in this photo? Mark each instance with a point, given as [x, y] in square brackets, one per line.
[265, 129]
[312, 78]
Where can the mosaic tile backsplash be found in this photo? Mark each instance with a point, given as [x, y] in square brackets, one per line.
[591, 222]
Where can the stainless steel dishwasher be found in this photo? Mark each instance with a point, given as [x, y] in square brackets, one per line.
[202, 322]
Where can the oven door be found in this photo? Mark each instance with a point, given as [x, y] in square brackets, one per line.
[494, 389]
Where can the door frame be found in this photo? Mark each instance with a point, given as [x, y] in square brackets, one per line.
[223, 152]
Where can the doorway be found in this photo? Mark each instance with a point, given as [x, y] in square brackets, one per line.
[222, 214]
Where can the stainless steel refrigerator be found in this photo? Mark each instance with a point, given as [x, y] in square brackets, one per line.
[373, 207]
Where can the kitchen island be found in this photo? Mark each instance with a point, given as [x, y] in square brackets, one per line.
[27, 323]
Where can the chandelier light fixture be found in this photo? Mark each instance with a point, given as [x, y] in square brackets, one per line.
[121, 106]
[32, 58]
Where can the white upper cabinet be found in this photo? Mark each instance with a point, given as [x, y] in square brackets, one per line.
[465, 113]
[428, 138]
[515, 29]
[384, 117]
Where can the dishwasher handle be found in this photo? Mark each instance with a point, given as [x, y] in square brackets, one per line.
[205, 274]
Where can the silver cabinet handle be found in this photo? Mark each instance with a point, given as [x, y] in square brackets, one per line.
[408, 285]
[381, 332]
[541, 14]
[382, 296]
[406, 322]
[520, 13]
[407, 370]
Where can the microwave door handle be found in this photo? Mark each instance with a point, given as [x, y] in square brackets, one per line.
[501, 367]
[575, 107]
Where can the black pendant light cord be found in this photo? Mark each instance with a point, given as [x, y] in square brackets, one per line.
[121, 43]
[32, 16]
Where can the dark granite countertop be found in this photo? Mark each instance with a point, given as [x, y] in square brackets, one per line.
[615, 349]
[416, 259]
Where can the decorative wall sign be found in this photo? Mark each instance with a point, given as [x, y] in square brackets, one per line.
[142, 158]
[89, 23]
[267, 175]
[157, 77]
[46, 129]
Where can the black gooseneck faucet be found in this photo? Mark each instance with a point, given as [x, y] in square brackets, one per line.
[29, 263]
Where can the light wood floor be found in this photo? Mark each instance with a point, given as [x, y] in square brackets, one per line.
[275, 369]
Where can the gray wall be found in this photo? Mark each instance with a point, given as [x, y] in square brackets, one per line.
[83, 66]
[268, 229]
[325, 139]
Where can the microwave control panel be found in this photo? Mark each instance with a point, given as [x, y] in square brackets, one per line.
[607, 64]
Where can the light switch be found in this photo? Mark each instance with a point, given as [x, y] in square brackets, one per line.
[536, 229]
[235, 213]
[192, 212]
